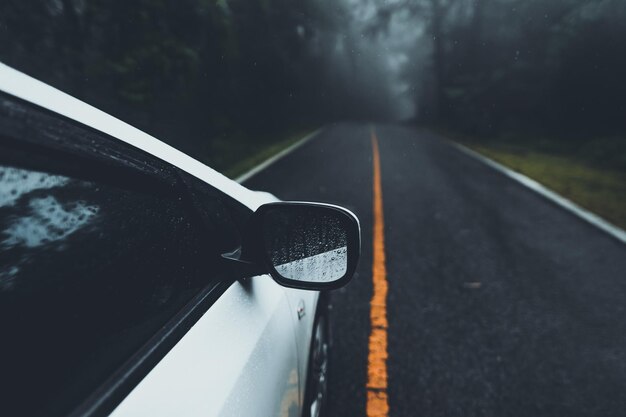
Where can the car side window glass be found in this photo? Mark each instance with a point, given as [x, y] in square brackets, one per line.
[91, 269]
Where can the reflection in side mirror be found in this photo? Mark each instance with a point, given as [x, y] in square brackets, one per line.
[307, 245]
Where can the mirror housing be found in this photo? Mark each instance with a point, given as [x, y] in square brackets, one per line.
[301, 245]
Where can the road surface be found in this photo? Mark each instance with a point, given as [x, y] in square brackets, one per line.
[499, 302]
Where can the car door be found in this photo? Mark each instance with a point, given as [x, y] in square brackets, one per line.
[112, 291]
[304, 304]
[251, 371]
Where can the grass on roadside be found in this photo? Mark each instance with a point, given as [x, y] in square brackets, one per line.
[602, 191]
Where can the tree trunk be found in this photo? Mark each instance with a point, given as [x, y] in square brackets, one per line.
[438, 104]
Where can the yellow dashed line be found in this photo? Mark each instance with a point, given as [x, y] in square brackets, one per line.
[377, 401]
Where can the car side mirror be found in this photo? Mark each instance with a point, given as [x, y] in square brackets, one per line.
[303, 245]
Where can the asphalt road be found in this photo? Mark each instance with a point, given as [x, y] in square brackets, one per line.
[500, 303]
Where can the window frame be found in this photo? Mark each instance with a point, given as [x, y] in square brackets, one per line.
[120, 383]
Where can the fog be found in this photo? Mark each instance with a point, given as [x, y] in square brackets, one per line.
[369, 57]
[214, 77]
[487, 66]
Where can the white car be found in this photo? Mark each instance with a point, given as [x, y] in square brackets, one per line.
[136, 281]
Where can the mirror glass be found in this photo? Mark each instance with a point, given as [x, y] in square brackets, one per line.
[306, 243]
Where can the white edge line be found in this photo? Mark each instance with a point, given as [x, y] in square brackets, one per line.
[563, 202]
[269, 161]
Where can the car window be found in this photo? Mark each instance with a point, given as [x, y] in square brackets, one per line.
[101, 248]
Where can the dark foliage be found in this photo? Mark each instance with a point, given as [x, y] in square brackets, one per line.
[191, 71]
[555, 67]
[184, 70]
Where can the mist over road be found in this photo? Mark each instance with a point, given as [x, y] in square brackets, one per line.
[500, 303]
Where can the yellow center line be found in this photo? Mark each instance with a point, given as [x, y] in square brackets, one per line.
[377, 401]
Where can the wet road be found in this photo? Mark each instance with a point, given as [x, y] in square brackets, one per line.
[499, 302]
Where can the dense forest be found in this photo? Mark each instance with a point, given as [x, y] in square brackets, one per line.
[191, 71]
[551, 65]
[186, 71]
